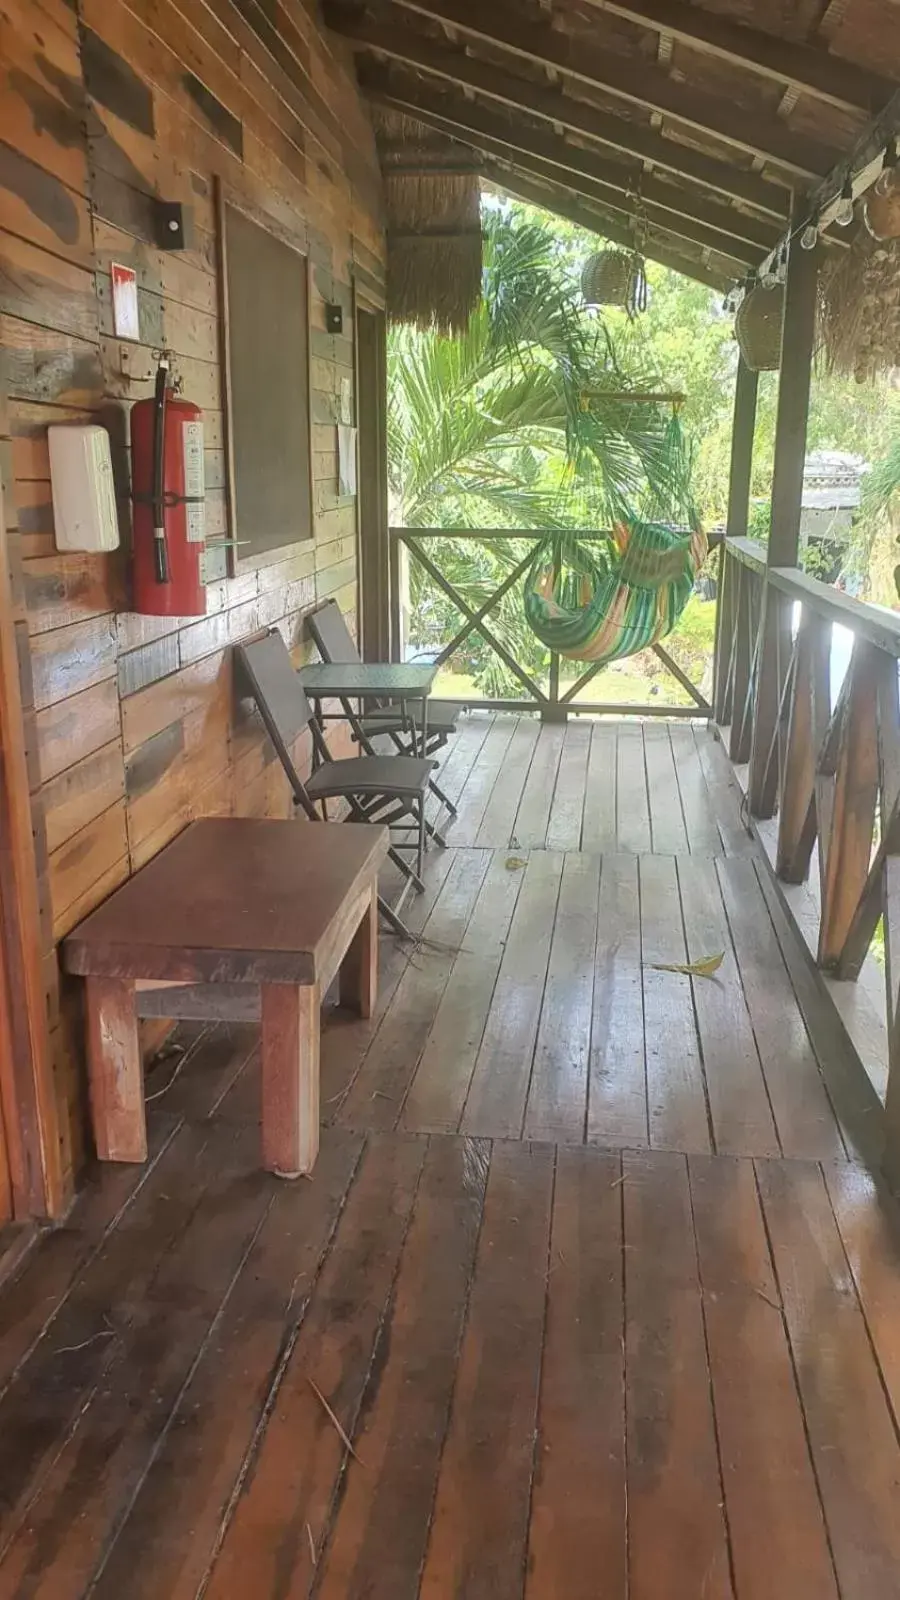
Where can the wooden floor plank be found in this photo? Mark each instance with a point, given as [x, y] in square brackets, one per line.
[676, 1095]
[738, 1102]
[376, 1097]
[533, 816]
[166, 1544]
[775, 1522]
[68, 1366]
[95, 1477]
[598, 825]
[578, 1504]
[667, 831]
[676, 1530]
[284, 1507]
[195, 1085]
[557, 1095]
[479, 1530]
[564, 826]
[462, 752]
[496, 1102]
[803, 1114]
[701, 828]
[32, 1300]
[868, 1220]
[378, 1543]
[438, 1094]
[725, 796]
[851, 1432]
[632, 803]
[345, 1036]
[617, 1090]
[479, 786]
[498, 823]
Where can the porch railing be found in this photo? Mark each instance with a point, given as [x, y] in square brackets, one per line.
[825, 763]
[553, 699]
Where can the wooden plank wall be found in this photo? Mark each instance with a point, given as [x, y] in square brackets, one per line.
[104, 104]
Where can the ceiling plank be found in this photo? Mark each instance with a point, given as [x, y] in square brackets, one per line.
[639, 82]
[563, 204]
[808, 68]
[553, 158]
[413, 49]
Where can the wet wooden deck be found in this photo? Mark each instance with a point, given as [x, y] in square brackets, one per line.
[591, 1275]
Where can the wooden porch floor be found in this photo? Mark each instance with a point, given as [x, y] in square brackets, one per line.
[590, 1272]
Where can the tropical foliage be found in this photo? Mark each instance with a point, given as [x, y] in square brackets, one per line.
[502, 428]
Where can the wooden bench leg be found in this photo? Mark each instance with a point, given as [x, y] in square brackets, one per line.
[359, 968]
[116, 1076]
[290, 1078]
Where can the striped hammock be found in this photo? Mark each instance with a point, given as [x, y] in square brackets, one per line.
[601, 610]
[599, 601]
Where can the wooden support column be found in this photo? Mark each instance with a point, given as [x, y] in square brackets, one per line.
[374, 560]
[742, 432]
[787, 490]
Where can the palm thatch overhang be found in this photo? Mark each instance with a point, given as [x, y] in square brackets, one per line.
[705, 119]
[432, 196]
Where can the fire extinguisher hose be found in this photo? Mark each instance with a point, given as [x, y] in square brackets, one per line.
[160, 549]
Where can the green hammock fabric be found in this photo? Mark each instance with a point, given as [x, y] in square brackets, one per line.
[600, 607]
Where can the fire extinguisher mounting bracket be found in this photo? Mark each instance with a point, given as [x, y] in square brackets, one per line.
[135, 363]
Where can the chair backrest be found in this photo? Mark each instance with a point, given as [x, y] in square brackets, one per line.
[271, 678]
[333, 638]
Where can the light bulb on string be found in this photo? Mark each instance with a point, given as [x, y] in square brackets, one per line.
[843, 215]
[809, 238]
[887, 177]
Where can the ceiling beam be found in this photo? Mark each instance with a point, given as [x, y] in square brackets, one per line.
[806, 67]
[554, 159]
[563, 204]
[639, 82]
[406, 45]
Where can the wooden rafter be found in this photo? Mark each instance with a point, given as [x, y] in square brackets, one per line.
[554, 158]
[407, 45]
[804, 67]
[564, 204]
[639, 82]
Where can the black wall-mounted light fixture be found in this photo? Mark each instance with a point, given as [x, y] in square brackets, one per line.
[173, 225]
[334, 317]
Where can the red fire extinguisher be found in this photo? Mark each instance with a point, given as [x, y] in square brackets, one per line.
[168, 494]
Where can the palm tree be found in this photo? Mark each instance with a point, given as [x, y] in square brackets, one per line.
[491, 430]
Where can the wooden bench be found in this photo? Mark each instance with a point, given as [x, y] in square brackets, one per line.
[236, 917]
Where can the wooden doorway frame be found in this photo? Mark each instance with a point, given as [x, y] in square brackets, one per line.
[372, 502]
[28, 1106]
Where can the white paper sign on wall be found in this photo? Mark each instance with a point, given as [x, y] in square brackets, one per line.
[126, 318]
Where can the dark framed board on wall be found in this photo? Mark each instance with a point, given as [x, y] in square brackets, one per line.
[264, 290]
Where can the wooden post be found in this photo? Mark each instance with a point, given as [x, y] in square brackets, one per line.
[797, 341]
[727, 611]
[372, 501]
[27, 1090]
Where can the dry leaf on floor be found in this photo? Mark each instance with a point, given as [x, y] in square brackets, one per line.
[515, 863]
[706, 967]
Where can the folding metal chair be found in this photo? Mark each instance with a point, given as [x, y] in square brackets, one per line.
[335, 642]
[384, 789]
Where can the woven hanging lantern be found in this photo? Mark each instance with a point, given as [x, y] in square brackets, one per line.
[757, 328]
[615, 278]
[882, 207]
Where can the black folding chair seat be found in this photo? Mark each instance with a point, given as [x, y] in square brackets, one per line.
[369, 775]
